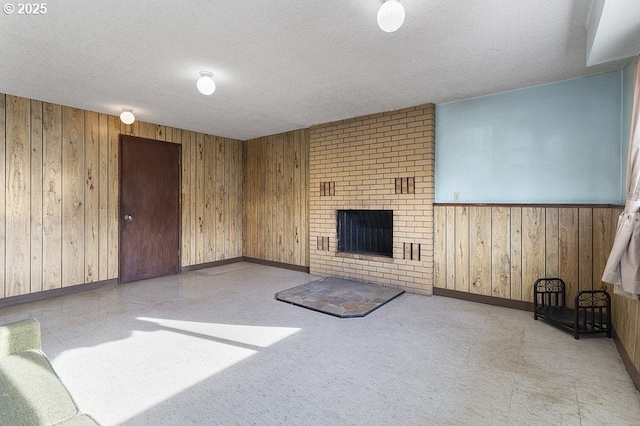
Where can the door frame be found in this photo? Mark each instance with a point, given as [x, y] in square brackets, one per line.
[121, 213]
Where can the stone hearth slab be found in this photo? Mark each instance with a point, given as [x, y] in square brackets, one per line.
[339, 297]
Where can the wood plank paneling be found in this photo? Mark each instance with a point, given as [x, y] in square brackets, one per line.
[103, 191]
[461, 261]
[632, 337]
[299, 207]
[73, 200]
[18, 188]
[246, 195]
[185, 139]
[113, 212]
[275, 197]
[302, 138]
[585, 248]
[52, 197]
[92, 197]
[161, 133]
[233, 238]
[224, 185]
[602, 243]
[220, 197]
[130, 129]
[254, 177]
[211, 202]
[36, 244]
[262, 214]
[500, 252]
[235, 195]
[533, 249]
[440, 249]
[199, 199]
[146, 130]
[516, 253]
[480, 250]
[249, 184]
[287, 243]
[625, 319]
[3, 139]
[630, 329]
[279, 226]
[195, 235]
[177, 136]
[568, 250]
[450, 229]
[552, 248]
[270, 204]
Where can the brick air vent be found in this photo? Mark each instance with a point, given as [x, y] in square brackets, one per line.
[405, 185]
[327, 189]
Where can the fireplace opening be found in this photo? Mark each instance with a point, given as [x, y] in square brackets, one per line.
[366, 232]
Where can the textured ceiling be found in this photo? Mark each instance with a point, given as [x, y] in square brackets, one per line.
[285, 64]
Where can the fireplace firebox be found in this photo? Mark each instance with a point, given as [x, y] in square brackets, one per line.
[366, 232]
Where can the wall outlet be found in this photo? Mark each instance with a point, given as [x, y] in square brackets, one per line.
[456, 196]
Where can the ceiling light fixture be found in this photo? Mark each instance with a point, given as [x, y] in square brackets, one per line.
[390, 16]
[127, 117]
[206, 85]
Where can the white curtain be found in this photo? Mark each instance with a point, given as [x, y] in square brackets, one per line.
[623, 266]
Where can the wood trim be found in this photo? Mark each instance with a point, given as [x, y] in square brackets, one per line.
[289, 266]
[626, 359]
[539, 205]
[481, 298]
[63, 291]
[211, 264]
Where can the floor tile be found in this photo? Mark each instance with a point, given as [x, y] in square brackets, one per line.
[214, 347]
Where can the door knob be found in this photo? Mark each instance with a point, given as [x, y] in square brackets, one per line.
[128, 217]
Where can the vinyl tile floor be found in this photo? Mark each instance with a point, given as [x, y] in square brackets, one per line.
[214, 347]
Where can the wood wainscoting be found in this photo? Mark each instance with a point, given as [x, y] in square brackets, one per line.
[499, 250]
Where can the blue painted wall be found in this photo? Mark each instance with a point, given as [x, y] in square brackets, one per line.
[627, 111]
[555, 143]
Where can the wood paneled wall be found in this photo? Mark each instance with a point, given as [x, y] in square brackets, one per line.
[211, 198]
[626, 323]
[275, 189]
[59, 192]
[500, 250]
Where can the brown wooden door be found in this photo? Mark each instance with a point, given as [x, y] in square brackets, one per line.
[149, 208]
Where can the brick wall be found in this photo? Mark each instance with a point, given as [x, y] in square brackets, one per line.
[380, 161]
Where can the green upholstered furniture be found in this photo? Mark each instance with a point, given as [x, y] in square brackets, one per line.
[31, 392]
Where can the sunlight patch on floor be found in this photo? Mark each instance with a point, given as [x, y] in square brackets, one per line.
[261, 336]
[150, 366]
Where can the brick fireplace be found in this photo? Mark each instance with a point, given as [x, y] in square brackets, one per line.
[379, 162]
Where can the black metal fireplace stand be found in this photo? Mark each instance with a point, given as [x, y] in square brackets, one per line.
[591, 312]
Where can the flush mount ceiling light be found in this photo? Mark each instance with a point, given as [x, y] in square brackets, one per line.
[206, 85]
[127, 117]
[390, 16]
